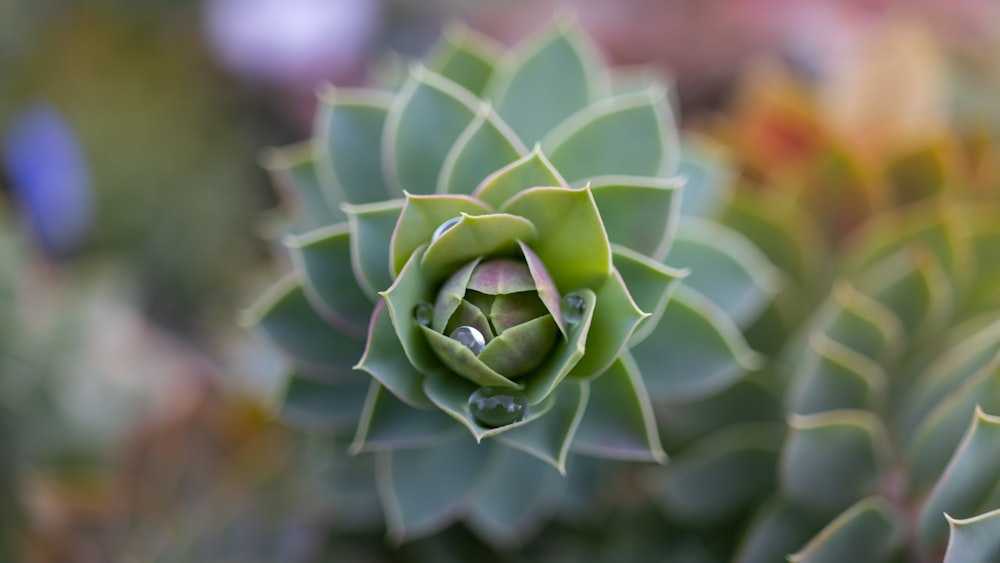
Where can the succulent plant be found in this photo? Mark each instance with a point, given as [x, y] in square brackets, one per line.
[868, 436]
[479, 284]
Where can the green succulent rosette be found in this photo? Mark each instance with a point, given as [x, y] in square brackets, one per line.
[875, 434]
[480, 284]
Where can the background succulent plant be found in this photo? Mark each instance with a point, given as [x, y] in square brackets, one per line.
[883, 346]
[487, 240]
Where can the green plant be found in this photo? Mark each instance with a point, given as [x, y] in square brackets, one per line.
[879, 387]
[488, 243]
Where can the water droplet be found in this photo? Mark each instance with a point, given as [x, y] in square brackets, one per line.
[444, 227]
[497, 406]
[573, 305]
[469, 337]
[423, 313]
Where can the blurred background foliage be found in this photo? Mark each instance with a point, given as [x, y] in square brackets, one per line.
[125, 437]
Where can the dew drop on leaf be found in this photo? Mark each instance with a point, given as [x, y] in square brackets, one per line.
[470, 337]
[423, 313]
[443, 227]
[573, 306]
[497, 406]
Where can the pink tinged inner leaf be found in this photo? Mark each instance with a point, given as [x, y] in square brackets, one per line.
[501, 276]
[546, 286]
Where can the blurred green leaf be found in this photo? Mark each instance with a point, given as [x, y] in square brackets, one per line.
[371, 226]
[549, 438]
[629, 135]
[423, 123]
[831, 376]
[619, 422]
[650, 283]
[423, 490]
[319, 257]
[287, 317]
[695, 351]
[639, 213]
[386, 423]
[486, 145]
[779, 528]
[519, 494]
[726, 268]
[974, 540]
[348, 145]
[293, 170]
[386, 360]
[868, 532]
[544, 81]
[968, 482]
[716, 477]
[465, 57]
[832, 459]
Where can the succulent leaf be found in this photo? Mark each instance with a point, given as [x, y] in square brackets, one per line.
[695, 351]
[619, 422]
[386, 359]
[474, 236]
[834, 377]
[572, 242]
[286, 316]
[465, 57]
[639, 213]
[870, 531]
[974, 540]
[968, 484]
[726, 268]
[451, 394]
[780, 228]
[544, 81]
[530, 171]
[914, 286]
[862, 324]
[779, 528]
[425, 489]
[323, 406]
[651, 285]
[421, 216]
[616, 317]
[951, 368]
[388, 424]
[485, 146]
[319, 257]
[293, 170]
[566, 355]
[938, 436]
[348, 145]
[518, 495]
[420, 130]
[371, 227]
[628, 135]
[721, 474]
[549, 438]
[832, 459]
[708, 176]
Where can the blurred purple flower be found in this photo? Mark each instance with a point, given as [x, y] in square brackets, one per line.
[293, 43]
[50, 180]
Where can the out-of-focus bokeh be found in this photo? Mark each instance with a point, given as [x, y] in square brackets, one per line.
[136, 220]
